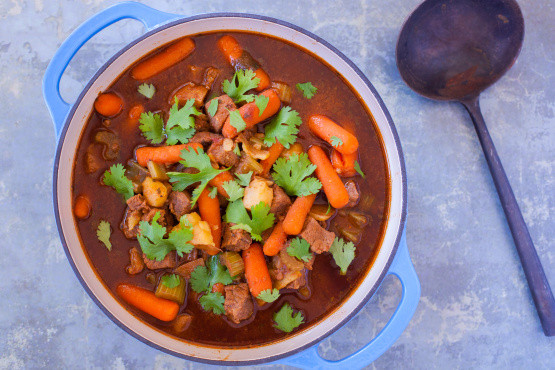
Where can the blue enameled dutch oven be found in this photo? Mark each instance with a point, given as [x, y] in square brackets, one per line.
[299, 349]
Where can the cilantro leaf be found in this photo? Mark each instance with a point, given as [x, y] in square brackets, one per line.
[236, 120]
[343, 253]
[115, 177]
[269, 295]
[213, 193]
[213, 301]
[261, 220]
[244, 179]
[300, 249]
[181, 123]
[243, 80]
[203, 278]
[357, 168]
[261, 102]
[147, 90]
[234, 190]
[292, 175]
[308, 89]
[285, 320]
[103, 233]
[335, 141]
[283, 128]
[171, 281]
[212, 107]
[236, 150]
[195, 159]
[155, 247]
[152, 127]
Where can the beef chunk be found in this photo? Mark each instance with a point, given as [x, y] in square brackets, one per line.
[320, 239]
[281, 202]
[137, 210]
[235, 240]
[190, 91]
[93, 160]
[168, 262]
[238, 302]
[137, 203]
[180, 203]
[205, 138]
[136, 263]
[186, 269]
[210, 75]
[201, 123]
[221, 151]
[225, 104]
[287, 271]
[354, 195]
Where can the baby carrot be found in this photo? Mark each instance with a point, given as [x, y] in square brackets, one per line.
[210, 212]
[162, 154]
[256, 270]
[264, 79]
[108, 104]
[294, 219]
[344, 164]
[276, 241]
[82, 207]
[327, 130]
[331, 183]
[164, 59]
[251, 115]
[146, 301]
[275, 151]
[219, 181]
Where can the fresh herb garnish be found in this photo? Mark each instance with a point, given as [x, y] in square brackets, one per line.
[213, 301]
[234, 190]
[152, 127]
[156, 247]
[180, 126]
[171, 281]
[243, 80]
[285, 320]
[213, 107]
[269, 295]
[284, 128]
[336, 142]
[292, 175]
[261, 102]
[261, 219]
[244, 179]
[300, 249]
[194, 158]
[212, 193]
[147, 90]
[343, 253]
[236, 150]
[115, 177]
[307, 89]
[357, 168]
[203, 278]
[103, 233]
[236, 120]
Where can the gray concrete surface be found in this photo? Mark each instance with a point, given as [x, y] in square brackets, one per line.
[475, 311]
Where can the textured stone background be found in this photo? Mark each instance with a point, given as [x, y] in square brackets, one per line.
[475, 311]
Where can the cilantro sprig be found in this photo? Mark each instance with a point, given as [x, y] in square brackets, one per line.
[343, 254]
[195, 158]
[103, 233]
[147, 90]
[292, 175]
[213, 301]
[308, 89]
[359, 170]
[269, 295]
[300, 249]
[236, 120]
[284, 128]
[285, 320]
[261, 102]
[156, 247]
[261, 219]
[203, 278]
[336, 142]
[171, 281]
[180, 126]
[234, 190]
[115, 177]
[244, 179]
[243, 80]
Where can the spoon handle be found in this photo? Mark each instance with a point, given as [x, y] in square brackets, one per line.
[539, 286]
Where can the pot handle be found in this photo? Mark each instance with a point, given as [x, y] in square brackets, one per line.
[402, 268]
[57, 106]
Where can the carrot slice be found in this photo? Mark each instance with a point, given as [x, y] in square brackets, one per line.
[256, 270]
[146, 301]
[162, 154]
[331, 183]
[275, 151]
[210, 212]
[164, 59]
[108, 104]
[294, 219]
[82, 207]
[327, 130]
[344, 164]
[219, 181]
[251, 115]
[275, 241]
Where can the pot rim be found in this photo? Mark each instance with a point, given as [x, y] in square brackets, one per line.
[379, 101]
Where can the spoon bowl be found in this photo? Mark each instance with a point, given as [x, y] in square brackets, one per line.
[453, 50]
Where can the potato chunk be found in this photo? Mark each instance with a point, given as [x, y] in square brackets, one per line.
[155, 192]
[202, 235]
[258, 191]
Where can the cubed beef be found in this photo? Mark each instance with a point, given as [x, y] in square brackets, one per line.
[137, 203]
[182, 322]
[225, 104]
[168, 262]
[354, 195]
[201, 123]
[287, 271]
[180, 203]
[136, 263]
[190, 91]
[235, 240]
[93, 159]
[238, 302]
[186, 269]
[210, 75]
[221, 151]
[205, 138]
[320, 239]
[281, 202]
